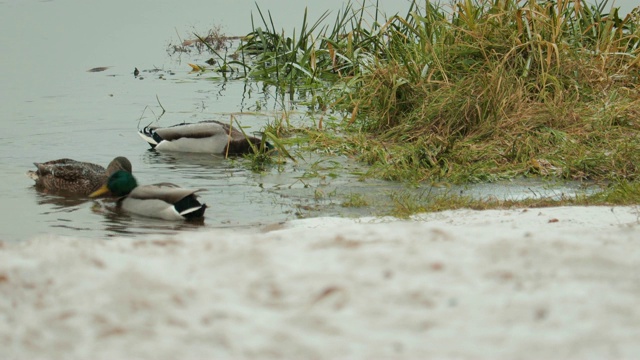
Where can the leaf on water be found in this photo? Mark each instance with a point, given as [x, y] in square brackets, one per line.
[196, 67]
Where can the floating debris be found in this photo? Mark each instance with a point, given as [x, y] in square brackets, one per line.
[98, 69]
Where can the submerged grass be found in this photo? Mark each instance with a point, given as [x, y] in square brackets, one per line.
[407, 203]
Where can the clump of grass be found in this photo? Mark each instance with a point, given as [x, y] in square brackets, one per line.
[260, 161]
[620, 193]
[262, 156]
[499, 89]
[355, 200]
[480, 91]
[214, 39]
[316, 55]
[407, 203]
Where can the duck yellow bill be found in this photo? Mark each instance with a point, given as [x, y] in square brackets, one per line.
[104, 189]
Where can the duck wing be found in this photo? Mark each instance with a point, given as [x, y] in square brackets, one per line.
[194, 131]
[165, 200]
[167, 192]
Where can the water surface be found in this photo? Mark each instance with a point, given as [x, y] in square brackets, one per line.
[53, 107]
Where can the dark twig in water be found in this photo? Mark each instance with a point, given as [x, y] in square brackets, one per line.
[162, 107]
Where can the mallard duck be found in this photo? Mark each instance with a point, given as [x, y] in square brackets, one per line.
[203, 137]
[75, 178]
[165, 201]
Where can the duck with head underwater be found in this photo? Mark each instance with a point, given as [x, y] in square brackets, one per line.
[210, 136]
[164, 200]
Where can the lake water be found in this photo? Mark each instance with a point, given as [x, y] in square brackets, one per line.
[52, 107]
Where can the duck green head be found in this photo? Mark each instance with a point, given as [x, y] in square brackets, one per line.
[120, 183]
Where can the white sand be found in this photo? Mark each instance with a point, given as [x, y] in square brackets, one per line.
[556, 283]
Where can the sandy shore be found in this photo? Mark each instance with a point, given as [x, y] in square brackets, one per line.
[555, 283]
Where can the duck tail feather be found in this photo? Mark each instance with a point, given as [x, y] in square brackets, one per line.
[189, 207]
[148, 136]
[194, 212]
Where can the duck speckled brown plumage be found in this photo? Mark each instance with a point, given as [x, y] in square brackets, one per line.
[74, 178]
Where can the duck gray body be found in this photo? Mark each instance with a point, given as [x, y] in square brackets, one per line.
[74, 178]
[165, 201]
[210, 136]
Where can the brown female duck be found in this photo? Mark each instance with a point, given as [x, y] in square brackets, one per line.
[75, 178]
